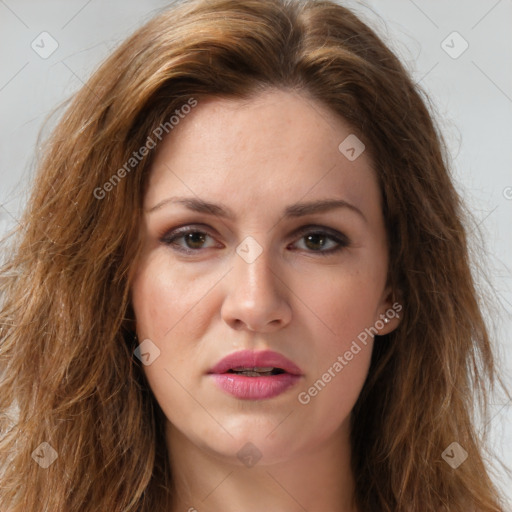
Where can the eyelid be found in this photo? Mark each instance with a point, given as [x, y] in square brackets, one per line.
[315, 228]
[183, 230]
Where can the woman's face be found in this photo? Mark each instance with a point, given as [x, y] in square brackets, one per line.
[261, 271]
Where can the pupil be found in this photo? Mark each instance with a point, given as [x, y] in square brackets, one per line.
[190, 239]
[317, 237]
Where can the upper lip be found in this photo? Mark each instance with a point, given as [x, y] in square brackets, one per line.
[251, 359]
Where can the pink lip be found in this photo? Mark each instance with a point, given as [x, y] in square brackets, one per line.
[255, 388]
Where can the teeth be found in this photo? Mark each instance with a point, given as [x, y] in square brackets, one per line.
[255, 369]
[249, 373]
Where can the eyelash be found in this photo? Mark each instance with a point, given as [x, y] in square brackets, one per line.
[342, 240]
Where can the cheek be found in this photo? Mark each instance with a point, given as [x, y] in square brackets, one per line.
[342, 354]
[166, 308]
[173, 310]
[330, 396]
[149, 290]
[340, 304]
[343, 308]
[163, 298]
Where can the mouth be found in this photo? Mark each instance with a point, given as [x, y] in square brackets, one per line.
[249, 375]
[263, 362]
[256, 372]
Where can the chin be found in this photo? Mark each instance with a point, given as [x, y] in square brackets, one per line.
[257, 443]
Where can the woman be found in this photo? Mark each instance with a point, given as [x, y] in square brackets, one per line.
[243, 282]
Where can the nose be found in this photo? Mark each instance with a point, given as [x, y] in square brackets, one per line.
[256, 296]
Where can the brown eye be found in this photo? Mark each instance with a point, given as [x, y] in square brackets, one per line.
[194, 239]
[316, 241]
[187, 239]
[323, 241]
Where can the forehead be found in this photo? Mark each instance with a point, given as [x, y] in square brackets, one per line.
[260, 152]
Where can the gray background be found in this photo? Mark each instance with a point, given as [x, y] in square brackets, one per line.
[471, 92]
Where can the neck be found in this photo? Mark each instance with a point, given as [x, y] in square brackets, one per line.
[317, 479]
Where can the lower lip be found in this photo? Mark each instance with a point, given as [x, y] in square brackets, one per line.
[255, 388]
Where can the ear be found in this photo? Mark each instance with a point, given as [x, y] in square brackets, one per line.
[390, 311]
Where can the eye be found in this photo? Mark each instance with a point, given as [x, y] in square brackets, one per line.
[322, 240]
[192, 238]
[317, 239]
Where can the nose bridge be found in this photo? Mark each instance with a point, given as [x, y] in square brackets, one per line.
[254, 277]
[255, 295]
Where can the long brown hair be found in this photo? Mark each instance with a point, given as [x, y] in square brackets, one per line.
[70, 378]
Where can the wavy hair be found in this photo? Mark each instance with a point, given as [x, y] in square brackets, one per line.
[69, 376]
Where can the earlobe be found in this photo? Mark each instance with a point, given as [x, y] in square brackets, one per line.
[391, 313]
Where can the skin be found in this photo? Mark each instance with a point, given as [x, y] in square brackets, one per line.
[256, 157]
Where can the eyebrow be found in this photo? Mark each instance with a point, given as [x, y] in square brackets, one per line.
[291, 211]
